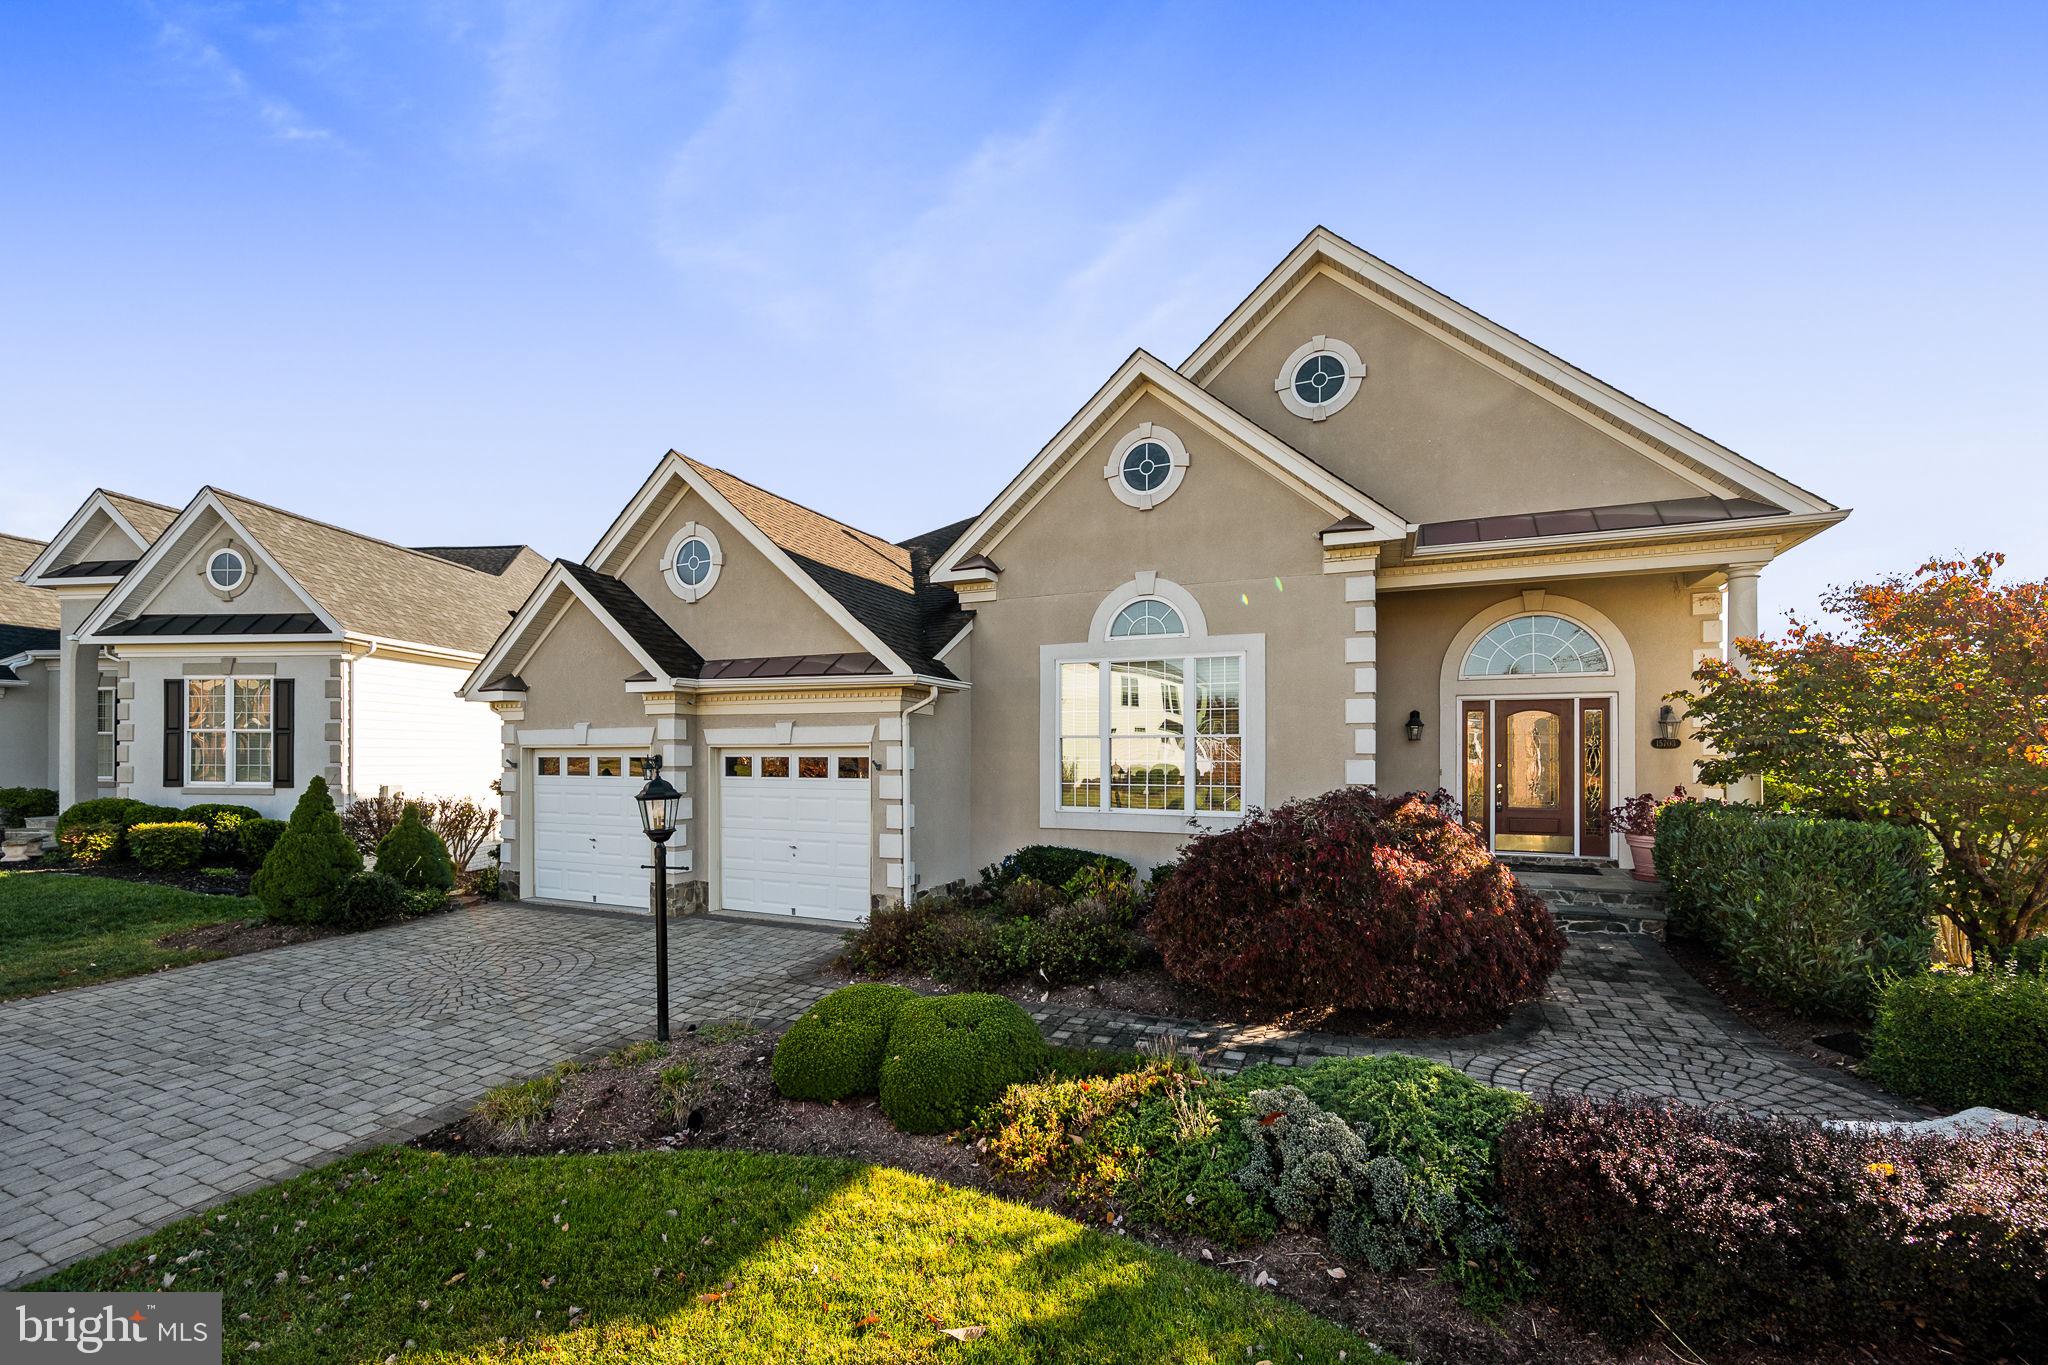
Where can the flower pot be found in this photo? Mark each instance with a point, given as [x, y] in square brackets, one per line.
[1642, 856]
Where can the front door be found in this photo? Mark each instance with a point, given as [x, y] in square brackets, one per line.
[1535, 791]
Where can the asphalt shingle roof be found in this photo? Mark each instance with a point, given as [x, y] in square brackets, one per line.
[654, 635]
[27, 615]
[376, 588]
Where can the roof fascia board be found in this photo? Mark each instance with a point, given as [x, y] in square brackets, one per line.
[756, 537]
[97, 500]
[954, 643]
[1291, 272]
[556, 576]
[207, 500]
[1117, 396]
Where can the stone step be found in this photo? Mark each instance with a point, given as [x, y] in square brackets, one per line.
[25, 845]
[1598, 901]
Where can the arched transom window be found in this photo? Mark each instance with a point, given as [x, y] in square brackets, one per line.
[1146, 616]
[1533, 645]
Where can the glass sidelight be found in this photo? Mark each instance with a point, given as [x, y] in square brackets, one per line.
[1534, 772]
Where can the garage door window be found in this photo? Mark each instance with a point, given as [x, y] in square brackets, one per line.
[739, 765]
[551, 767]
[815, 765]
[775, 765]
[853, 767]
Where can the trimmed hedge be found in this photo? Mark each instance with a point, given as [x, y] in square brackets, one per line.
[309, 862]
[1811, 912]
[257, 837]
[835, 1049]
[365, 901]
[173, 846]
[950, 1055]
[1352, 900]
[1960, 1039]
[414, 855]
[84, 828]
[1719, 1229]
[18, 804]
[223, 826]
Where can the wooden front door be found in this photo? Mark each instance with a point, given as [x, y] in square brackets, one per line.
[1536, 777]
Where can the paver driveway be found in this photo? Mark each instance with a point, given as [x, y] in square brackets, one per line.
[131, 1103]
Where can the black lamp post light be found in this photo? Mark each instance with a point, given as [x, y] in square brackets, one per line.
[659, 803]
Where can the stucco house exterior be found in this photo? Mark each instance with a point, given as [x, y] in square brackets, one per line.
[28, 651]
[230, 650]
[1362, 535]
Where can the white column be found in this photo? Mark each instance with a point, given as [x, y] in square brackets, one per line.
[1361, 651]
[1742, 609]
[1743, 625]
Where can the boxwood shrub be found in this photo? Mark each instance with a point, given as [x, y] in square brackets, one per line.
[84, 827]
[223, 827]
[1811, 912]
[21, 804]
[1719, 1229]
[171, 846]
[1354, 900]
[949, 1055]
[364, 901]
[835, 1049]
[257, 837]
[1051, 864]
[1960, 1039]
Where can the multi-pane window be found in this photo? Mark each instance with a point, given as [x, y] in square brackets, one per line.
[1525, 646]
[1125, 742]
[228, 730]
[103, 735]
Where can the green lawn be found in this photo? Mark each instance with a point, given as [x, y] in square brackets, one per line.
[59, 930]
[688, 1256]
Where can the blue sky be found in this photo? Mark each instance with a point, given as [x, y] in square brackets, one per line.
[460, 271]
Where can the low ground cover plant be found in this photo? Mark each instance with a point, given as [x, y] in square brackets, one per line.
[1013, 925]
[1352, 900]
[1813, 913]
[1720, 1229]
[1964, 1038]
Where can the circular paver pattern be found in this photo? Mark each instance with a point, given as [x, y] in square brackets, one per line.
[481, 977]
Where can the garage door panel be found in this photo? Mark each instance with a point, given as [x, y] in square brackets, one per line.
[795, 844]
[587, 843]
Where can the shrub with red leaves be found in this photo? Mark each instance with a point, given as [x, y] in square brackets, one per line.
[1645, 1219]
[1354, 900]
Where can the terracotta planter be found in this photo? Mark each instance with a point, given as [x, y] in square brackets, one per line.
[1642, 856]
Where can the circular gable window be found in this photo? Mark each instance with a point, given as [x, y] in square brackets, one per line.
[1146, 467]
[692, 563]
[1319, 378]
[227, 572]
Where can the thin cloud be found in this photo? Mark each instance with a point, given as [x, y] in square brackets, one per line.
[278, 116]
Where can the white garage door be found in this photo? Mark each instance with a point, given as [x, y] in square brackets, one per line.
[587, 844]
[793, 832]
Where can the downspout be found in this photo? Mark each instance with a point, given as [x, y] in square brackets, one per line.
[909, 885]
[348, 688]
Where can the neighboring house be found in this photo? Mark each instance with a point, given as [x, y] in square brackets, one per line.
[230, 651]
[1362, 535]
[28, 655]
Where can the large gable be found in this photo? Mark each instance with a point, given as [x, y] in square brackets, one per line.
[1457, 417]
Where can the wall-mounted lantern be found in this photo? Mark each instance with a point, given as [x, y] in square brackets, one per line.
[1413, 729]
[1667, 729]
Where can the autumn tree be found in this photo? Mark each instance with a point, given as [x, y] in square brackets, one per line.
[1929, 708]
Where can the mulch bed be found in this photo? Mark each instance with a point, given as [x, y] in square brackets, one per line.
[232, 882]
[232, 938]
[1150, 991]
[732, 1102]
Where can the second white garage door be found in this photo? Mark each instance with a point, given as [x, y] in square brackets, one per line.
[794, 832]
[587, 844]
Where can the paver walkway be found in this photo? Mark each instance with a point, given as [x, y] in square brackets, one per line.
[130, 1104]
[1620, 1018]
[126, 1105]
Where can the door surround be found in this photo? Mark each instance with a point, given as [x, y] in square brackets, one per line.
[1617, 686]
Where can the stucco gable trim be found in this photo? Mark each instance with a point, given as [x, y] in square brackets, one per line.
[1658, 437]
[97, 501]
[118, 602]
[1233, 428]
[557, 580]
[659, 486]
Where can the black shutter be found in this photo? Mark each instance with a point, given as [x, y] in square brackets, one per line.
[174, 732]
[282, 749]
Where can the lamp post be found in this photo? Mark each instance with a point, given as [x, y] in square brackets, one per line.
[658, 803]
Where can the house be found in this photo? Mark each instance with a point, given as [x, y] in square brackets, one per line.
[230, 650]
[28, 650]
[1362, 535]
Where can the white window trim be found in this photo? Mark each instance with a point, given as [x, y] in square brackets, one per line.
[229, 731]
[692, 592]
[1146, 499]
[1149, 584]
[1354, 376]
[1250, 648]
[1180, 634]
[110, 734]
[241, 584]
[1464, 656]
